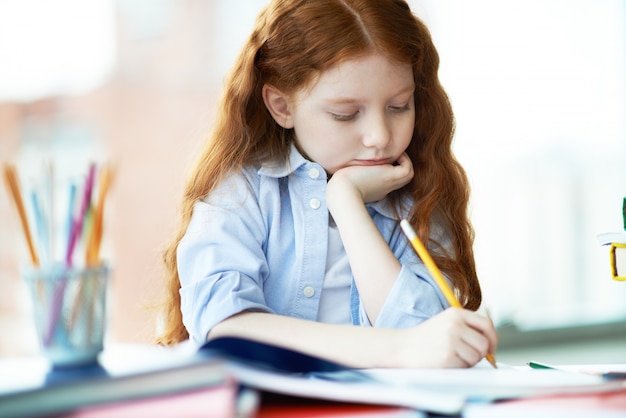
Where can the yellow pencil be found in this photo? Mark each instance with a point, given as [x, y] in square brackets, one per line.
[421, 251]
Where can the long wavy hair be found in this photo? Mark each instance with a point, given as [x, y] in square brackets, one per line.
[293, 41]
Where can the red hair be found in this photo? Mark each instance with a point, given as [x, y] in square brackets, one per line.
[293, 42]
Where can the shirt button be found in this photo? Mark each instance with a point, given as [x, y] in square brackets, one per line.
[308, 292]
[314, 203]
[314, 173]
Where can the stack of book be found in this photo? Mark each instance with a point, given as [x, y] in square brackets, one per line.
[226, 378]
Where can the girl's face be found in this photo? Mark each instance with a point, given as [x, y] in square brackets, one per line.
[360, 112]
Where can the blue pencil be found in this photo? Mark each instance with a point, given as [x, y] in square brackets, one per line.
[41, 225]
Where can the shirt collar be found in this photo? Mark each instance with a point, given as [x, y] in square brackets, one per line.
[283, 169]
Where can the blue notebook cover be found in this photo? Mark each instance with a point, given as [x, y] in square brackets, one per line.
[267, 356]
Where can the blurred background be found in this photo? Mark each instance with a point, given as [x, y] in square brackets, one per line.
[539, 92]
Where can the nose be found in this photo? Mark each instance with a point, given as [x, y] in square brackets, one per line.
[377, 132]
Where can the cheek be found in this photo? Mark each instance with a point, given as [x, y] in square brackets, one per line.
[405, 134]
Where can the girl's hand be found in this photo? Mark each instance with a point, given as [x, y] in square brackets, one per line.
[373, 183]
[454, 338]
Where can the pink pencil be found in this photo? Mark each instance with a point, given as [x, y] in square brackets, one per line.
[77, 227]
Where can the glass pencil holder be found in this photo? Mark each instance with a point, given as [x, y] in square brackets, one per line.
[70, 313]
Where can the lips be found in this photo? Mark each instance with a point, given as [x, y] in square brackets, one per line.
[380, 161]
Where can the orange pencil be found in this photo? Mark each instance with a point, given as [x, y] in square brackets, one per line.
[10, 176]
[421, 251]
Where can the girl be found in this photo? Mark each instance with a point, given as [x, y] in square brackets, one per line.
[333, 127]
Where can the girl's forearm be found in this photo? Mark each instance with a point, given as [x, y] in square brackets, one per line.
[354, 346]
[373, 264]
[454, 338]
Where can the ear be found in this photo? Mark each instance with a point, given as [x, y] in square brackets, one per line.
[278, 105]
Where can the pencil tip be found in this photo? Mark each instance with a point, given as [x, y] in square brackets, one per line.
[492, 360]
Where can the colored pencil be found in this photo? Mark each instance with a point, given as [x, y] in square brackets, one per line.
[93, 247]
[10, 176]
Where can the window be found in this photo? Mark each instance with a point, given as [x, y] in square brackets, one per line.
[539, 92]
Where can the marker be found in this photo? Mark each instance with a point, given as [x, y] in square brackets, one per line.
[624, 212]
[540, 366]
[607, 375]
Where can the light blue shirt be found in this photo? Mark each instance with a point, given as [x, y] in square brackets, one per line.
[259, 243]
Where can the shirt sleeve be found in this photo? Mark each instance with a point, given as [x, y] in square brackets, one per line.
[415, 296]
[413, 299]
[213, 288]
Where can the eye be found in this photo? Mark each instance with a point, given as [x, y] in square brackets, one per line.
[400, 109]
[341, 117]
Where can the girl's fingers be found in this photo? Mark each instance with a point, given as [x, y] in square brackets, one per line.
[484, 326]
[476, 336]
